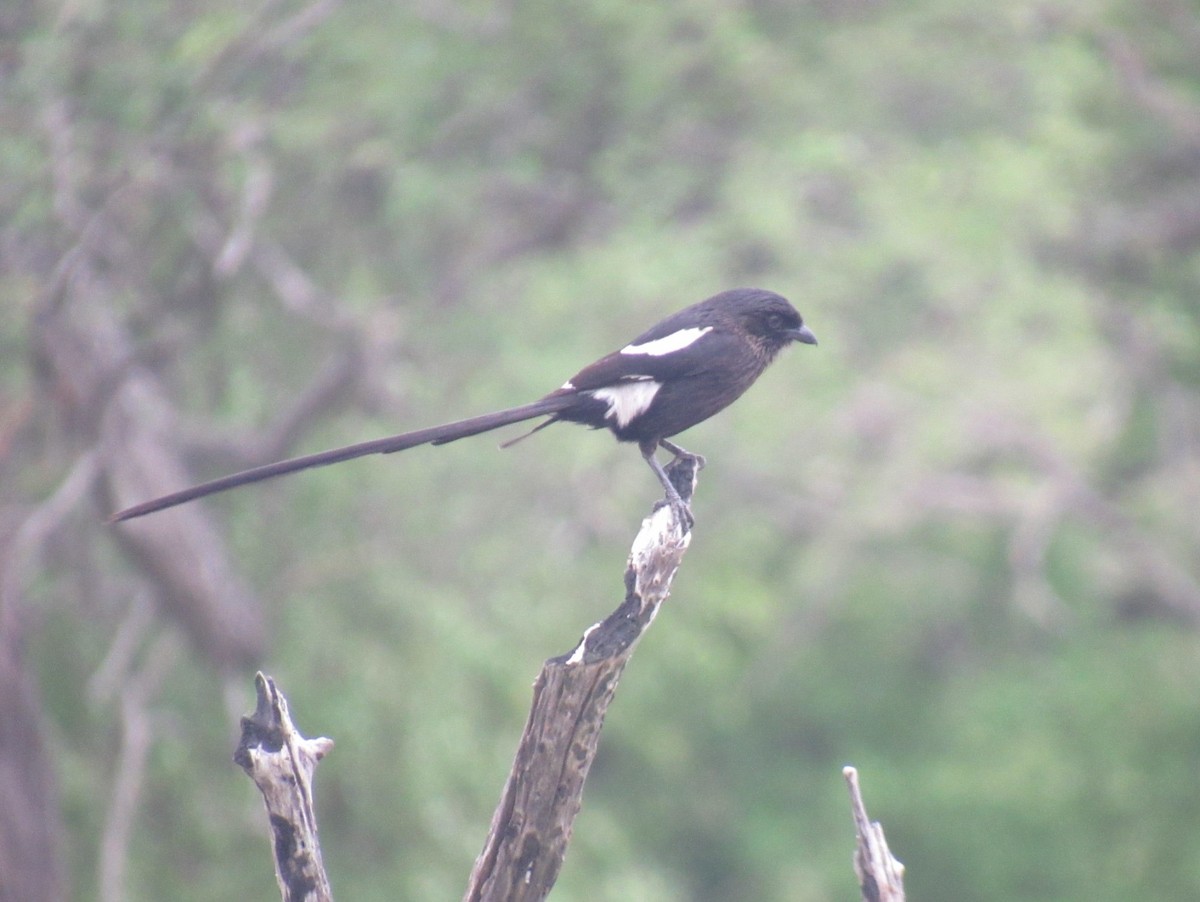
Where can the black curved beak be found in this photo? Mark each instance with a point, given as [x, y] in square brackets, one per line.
[803, 334]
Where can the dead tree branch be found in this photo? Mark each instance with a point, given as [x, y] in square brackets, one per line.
[880, 875]
[281, 763]
[532, 825]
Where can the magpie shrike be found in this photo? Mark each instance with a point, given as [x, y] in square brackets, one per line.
[671, 377]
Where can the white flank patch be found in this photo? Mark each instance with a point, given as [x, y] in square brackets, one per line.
[668, 344]
[628, 400]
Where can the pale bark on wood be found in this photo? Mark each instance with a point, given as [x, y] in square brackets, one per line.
[281, 763]
[532, 825]
[880, 875]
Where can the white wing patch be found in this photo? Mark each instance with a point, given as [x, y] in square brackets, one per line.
[668, 344]
[628, 400]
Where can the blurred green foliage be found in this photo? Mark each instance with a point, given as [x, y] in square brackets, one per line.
[954, 545]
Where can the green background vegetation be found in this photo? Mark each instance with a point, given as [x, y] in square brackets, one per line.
[955, 545]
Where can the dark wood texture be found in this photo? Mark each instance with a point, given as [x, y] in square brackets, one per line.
[281, 763]
[532, 825]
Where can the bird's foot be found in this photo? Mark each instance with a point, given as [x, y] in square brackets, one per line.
[680, 508]
[677, 479]
[684, 513]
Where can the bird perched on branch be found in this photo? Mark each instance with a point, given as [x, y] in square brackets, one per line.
[671, 377]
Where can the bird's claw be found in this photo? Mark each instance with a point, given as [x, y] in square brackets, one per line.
[680, 508]
[684, 513]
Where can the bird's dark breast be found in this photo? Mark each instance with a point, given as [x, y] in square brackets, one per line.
[682, 403]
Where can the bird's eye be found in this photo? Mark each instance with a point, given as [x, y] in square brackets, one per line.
[775, 321]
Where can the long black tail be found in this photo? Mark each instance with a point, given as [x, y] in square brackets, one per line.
[436, 435]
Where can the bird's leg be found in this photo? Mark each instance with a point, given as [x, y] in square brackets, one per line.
[673, 497]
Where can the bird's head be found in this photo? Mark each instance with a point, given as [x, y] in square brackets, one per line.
[767, 318]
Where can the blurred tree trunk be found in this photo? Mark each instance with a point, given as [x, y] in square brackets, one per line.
[31, 865]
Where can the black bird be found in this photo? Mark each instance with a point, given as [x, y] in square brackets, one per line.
[671, 377]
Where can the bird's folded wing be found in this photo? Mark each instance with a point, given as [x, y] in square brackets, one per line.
[677, 355]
